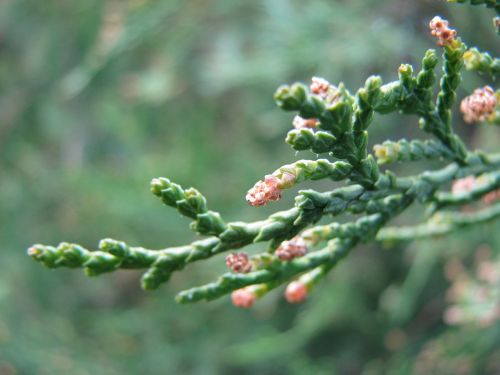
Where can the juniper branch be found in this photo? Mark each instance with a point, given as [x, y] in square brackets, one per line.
[332, 121]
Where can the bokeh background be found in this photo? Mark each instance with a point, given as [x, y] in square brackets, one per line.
[98, 97]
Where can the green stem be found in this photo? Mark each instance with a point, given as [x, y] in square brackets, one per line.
[444, 225]
[445, 199]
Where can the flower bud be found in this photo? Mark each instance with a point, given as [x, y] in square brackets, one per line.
[387, 152]
[439, 28]
[242, 298]
[325, 90]
[463, 185]
[294, 248]
[479, 106]
[296, 292]
[472, 59]
[301, 123]
[238, 262]
[264, 191]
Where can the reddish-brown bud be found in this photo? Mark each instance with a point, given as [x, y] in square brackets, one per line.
[439, 28]
[324, 89]
[320, 86]
[296, 247]
[238, 262]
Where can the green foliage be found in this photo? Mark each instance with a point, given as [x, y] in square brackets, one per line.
[345, 118]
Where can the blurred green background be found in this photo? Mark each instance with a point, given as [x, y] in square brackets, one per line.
[98, 97]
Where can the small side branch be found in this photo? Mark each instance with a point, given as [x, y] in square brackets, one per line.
[440, 225]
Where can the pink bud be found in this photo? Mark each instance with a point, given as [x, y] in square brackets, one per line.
[296, 292]
[264, 191]
[242, 298]
[479, 106]
[463, 185]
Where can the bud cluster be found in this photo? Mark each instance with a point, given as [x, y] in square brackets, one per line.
[439, 28]
[479, 106]
[325, 90]
[264, 191]
[294, 248]
[238, 262]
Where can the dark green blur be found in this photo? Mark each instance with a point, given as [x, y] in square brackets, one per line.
[99, 97]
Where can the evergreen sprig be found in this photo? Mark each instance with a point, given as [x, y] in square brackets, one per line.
[330, 121]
